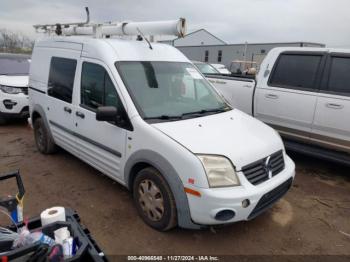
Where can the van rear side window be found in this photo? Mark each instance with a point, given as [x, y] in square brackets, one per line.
[61, 78]
[297, 71]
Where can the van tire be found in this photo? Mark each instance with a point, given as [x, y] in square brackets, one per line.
[151, 177]
[43, 140]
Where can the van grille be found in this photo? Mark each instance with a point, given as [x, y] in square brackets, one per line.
[260, 170]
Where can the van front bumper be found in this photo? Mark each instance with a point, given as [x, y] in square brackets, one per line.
[218, 206]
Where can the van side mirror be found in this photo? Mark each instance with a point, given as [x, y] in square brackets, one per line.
[106, 113]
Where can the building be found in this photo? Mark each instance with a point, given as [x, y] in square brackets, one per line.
[203, 46]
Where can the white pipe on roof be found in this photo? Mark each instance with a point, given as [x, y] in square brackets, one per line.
[172, 27]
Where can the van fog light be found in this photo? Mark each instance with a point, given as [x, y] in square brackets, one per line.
[225, 215]
[245, 203]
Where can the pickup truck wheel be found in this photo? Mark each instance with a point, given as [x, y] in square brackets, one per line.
[154, 200]
[43, 140]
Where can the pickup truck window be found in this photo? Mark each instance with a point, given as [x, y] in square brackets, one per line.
[296, 71]
[206, 68]
[61, 78]
[97, 89]
[339, 77]
[169, 89]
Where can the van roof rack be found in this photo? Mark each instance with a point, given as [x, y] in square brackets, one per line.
[99, 30]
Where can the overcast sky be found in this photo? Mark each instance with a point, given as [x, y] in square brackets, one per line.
[234, 21]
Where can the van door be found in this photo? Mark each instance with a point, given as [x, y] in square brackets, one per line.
[101, 144]
[58, 105]
[331, 127]
[288, 100]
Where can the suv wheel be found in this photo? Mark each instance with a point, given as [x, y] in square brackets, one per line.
[154, 200]
[43, 140]
[2, 120]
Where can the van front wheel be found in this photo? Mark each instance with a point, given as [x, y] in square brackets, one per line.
[154, 200]
[43, 140]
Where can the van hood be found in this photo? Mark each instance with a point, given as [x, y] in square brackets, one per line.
[15, 81]
[241, 138]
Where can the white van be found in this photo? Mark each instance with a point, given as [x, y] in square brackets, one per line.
[148, 119]
[14, 70]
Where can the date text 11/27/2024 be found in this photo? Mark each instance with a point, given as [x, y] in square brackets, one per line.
[173, 258]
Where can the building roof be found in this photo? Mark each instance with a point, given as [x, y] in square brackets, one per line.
[192, 33]
[239, 44]
[204, 30]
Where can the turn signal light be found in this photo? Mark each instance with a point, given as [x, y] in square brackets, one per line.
[192, 192]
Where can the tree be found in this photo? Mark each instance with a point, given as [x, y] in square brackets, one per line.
[14, 42]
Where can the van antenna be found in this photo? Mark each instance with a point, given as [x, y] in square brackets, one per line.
[149, 43]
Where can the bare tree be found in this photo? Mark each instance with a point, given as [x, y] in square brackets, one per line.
[14, 42]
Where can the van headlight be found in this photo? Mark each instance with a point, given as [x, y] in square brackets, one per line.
[10, 89]
[219, 170]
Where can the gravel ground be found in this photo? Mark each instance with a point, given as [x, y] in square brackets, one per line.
[312, 219]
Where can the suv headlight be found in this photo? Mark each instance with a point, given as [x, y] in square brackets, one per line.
[11, 89]
[219, 170]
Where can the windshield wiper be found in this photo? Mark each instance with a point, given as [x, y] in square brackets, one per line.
[197, 113]
[206, 111]
[163, 117]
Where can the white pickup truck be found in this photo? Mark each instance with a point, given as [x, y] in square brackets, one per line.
[304, 93]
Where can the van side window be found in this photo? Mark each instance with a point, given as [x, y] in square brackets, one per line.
[295, 71]
[97, 88]
[61, 78]
[339, 77]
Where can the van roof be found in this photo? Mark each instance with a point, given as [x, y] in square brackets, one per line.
[117, 49]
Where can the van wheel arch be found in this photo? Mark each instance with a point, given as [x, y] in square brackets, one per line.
[43, 139]
[35, 116]
[145, 158]
[134, 171]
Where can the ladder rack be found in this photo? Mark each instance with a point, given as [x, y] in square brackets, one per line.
[99, 30]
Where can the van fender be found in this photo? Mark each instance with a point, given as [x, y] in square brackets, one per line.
[156, 160]
[40, 110]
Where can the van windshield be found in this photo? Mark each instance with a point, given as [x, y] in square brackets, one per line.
[169, 90]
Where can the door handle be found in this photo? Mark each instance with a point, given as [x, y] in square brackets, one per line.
[271, 96]
[80, 114]
[67, 109]
[334, 106]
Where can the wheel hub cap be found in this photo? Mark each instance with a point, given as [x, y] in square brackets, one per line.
[151, 200]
